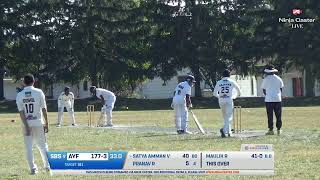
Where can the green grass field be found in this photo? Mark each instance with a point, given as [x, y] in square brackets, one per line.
[297, 154]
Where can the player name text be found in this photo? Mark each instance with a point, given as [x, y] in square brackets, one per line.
[216, 156]
[146, 163]
[162, 156]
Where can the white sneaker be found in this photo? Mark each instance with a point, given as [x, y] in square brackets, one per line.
[74, 125]
[270, 132]
[58, 125]
[278, 132]
[34, 171]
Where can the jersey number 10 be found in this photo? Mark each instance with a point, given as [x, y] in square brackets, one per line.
[29, 108]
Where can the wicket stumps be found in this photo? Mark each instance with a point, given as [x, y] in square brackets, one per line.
[237, 119]
[90, 114]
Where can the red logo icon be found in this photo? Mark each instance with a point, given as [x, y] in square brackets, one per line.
[296, 12]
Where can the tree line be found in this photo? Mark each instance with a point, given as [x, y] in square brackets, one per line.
[121, 43]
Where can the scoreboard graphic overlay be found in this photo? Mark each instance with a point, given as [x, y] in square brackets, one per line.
[244, 162]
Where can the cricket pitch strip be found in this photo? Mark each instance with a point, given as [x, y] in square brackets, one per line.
[172, 131]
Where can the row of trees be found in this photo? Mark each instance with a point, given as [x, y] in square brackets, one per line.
[120, 44]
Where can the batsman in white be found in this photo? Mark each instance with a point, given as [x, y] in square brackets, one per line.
[224, 91]
[33, 113]
[181, 102]
[66, 99]
[108, 99]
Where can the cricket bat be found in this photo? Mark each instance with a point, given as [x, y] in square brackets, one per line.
[197, 123]
[100, 120]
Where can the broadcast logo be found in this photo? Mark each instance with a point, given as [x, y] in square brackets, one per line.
[296, 22]
[296, 12]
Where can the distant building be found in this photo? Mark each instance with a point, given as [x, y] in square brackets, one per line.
[53, 91]
[294, 81]
[157, 89]
[294, 85]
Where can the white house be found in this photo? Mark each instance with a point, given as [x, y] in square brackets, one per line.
[294, 85]
[317, 88]
[157, 89]
[10, 86]
[294, 81]
[80, 90]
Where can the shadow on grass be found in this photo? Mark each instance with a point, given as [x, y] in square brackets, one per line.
[11, 177]
[132, 104]
[197, 139]
[156, 135]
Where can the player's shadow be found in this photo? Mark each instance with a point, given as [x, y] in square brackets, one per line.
[156, 135]
[198, 138]
[12, 176]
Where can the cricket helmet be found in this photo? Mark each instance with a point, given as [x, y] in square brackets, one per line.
[92, 89]
[66, 88]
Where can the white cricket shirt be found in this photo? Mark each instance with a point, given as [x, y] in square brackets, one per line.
[66, 100]
[32, 100]
[183, 89]
[224, 90]
[105, 94]
[272, 85]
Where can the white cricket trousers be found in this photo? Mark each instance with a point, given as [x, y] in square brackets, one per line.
[37, 136]
[227, 114]
[71, 114]
[107, 110]
[181, 116]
